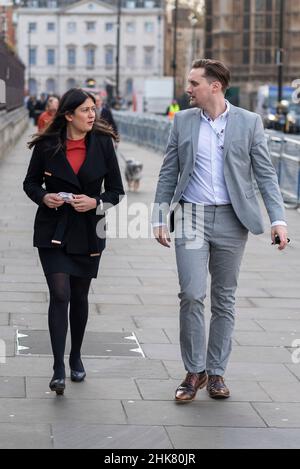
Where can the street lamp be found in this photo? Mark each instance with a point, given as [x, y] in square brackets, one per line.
[193, 20]
[29, 58]
[280, 50]
[174, 62]
[118, 49]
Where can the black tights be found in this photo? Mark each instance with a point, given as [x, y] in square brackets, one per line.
[64, 290]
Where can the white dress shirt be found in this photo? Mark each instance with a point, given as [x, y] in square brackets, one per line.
[207, 185]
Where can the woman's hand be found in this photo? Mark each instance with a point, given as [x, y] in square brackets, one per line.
[53, 200]
[83, 203]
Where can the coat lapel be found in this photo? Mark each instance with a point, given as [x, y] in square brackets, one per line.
[230, 129]
[60, 167]
[94, 165]
[195, 133]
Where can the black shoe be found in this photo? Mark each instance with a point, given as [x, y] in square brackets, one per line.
[77, 376]
[77, 370]
[58, 385]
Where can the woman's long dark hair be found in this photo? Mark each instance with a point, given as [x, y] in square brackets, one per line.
[57, 130]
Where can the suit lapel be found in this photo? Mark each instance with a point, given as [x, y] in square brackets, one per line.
[230, 128]
[195, 133]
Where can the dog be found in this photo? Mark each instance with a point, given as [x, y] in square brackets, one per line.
[133, 174]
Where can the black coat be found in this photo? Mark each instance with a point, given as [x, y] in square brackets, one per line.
[64, 226]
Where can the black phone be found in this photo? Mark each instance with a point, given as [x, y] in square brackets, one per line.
[277, 240]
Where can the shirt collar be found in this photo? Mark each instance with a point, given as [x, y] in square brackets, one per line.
[222, 116]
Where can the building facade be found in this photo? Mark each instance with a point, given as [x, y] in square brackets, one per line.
[76, 45]
[190, 44]
[244, 34]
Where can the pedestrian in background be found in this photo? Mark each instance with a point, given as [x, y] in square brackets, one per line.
[47, 116]
[103, 112]
[74, 157]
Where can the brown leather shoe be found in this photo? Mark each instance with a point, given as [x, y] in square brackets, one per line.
[188, 389]
[216, 387]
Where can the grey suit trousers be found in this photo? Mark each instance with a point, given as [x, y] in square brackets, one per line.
[217, 246]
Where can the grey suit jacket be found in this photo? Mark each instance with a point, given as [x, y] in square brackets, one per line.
[245, 154]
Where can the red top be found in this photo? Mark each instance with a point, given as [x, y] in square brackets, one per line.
[76, 153]
[44, 120]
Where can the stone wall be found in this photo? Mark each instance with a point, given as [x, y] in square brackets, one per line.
[12, 126]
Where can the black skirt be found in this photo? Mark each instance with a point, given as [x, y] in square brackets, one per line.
[57, 260]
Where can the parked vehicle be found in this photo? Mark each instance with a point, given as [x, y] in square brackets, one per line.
[158, 94]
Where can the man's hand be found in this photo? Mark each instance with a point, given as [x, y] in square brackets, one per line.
[162, 235]
[83, 203]
[53, 200]
[281, 231]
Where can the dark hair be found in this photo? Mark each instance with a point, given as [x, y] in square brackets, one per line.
[214, 70]
[57, 130]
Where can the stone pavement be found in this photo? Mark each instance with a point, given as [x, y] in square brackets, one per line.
[127, 399]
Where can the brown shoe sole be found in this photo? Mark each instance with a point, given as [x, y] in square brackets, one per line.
[218, 395]
[201, 386]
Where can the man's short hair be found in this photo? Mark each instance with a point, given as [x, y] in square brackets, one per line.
[214, 70]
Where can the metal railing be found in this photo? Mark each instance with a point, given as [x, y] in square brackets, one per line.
[285, 156]
[12, 73]
[153, 132]
[144, 129]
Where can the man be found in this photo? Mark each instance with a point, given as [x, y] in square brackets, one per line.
[103, 112]
[173, 109]
[47, 116]
[212, 152]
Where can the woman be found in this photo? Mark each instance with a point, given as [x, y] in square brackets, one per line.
[73, 157]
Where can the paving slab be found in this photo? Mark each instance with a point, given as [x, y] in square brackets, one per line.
[24, 436]
[110, 437]
[206, 414]
[233, 438]
[61, 410]
[279, 414]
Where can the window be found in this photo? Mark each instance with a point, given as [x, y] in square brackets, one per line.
[130, 56]
[148, 57]
[260, 21]
[71, 56]
[246, 39]
[260, 5]
[260, 57]
[247, 5]
[109, 27]
[130, 27]
[90, 57]
[50, 57]
[129, 86]
[71, 83]
[32, 56]
[32, 27]
[50, 86]
[71, 27]
[259, 39]
[246, 56]
[247, 22]
[32, 87]
[109, 56]
[91, 26]
[149, 26]
[50, 27]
